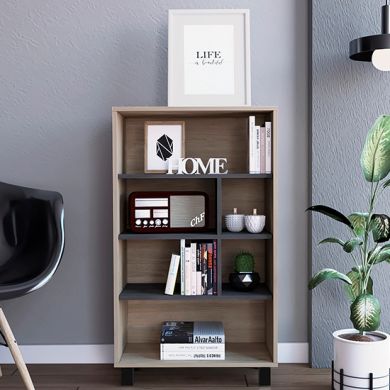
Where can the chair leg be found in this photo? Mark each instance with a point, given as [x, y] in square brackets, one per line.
[15, 351]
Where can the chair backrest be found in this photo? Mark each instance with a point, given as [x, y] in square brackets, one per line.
[31, 238]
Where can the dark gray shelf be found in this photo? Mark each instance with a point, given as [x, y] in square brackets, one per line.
[195, 236]
[155, 291]
[126, 176]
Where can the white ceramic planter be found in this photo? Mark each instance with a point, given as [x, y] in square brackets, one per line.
[359, 359]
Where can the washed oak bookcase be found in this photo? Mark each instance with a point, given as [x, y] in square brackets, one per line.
[141, 261]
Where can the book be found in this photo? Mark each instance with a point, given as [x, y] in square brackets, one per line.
[172, 274]
[192, 332]
[251, 144]
[198, 271]
[202, 355]
[203, 255]
[268, 147]
[186, 347]
[193, 268]
[262, 150]
[209, 269]
[182, 260]
[257, 153]
[187, 271]
[192, 356]
[215, 273]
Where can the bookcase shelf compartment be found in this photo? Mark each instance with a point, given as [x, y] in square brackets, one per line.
[141, 261]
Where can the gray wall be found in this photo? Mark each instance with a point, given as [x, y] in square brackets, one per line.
[347, 98]
[63, 64]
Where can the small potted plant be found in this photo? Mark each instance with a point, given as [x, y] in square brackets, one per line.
[362, 354]
[244, 278]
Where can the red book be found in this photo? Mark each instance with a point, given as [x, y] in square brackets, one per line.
[210, 269]
[215, 279]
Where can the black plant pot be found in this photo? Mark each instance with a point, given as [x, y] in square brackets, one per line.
[244, 281]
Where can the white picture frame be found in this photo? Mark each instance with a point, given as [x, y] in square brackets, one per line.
[209, 57]
[154, 150]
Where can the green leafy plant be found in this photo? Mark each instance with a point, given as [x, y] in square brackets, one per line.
[244, 262]
[369, 233]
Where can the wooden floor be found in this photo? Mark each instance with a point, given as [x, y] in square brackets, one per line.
[90, 377]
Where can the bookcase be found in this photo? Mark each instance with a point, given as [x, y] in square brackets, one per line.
[141, 261]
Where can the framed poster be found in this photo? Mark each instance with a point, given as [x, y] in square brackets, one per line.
[163, 141]
[209, 58]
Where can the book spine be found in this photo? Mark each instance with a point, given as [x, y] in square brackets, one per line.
[257, 155]
[172, 275]
[198, 271]
[268, 147]
[209, 269]
[193, 268]
[182, 261]
[187, 271]
[192, 356]
[251, 144]
[215, 274]
[192, 348]
[203, 254]
[262, 150]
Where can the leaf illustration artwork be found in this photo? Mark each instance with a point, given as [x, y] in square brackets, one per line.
[164, 147]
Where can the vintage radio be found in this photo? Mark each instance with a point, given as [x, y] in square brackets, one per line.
[168, 212]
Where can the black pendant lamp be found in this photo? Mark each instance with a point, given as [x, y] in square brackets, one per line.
[375, 48]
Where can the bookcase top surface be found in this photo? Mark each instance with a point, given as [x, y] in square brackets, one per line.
[130, 110]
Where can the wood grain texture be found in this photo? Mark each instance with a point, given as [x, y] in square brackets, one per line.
[244, 321]
[91, 377]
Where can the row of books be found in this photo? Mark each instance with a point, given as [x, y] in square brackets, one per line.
[198, 269]
[260, 147]
[192, 340]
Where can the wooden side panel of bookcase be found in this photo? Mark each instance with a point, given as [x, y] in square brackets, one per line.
[272, 306]
[119, 247]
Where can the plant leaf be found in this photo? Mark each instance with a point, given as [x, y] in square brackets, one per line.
[350, 245]
[332, 213]
[332, 240]
[380, 225]
[354, 290]
[379, 255]
[366, 313]
[375, 158]
[325, 274]
[386, 183]
[359, 222]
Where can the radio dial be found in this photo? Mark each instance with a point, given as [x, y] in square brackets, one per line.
[158, 222]
[138, 222]
[165, 222]
[145, 222]
[151, 222]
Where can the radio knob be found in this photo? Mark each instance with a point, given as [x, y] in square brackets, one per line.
[165, 222]
[151, 222]
[138, 222]
[145, 222]
[158, 222]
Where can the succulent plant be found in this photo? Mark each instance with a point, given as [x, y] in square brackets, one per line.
[244, 262]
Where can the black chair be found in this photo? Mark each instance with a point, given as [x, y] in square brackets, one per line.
[31, 247]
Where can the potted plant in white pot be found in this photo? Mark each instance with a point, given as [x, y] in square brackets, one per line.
[362, 354]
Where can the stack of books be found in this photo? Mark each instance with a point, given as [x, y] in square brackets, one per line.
[199, 340]
[198, 269]
[260, 147]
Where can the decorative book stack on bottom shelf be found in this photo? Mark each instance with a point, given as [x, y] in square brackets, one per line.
[192, 340]
[141, 261]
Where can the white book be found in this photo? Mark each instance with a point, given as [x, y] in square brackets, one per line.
[187, 271]
[193, 268]
[182, 266]
[192, 356]
[257, 154]
[186, 347]
[172, 274]
[262, 150]
[268, 147]
[251, 144]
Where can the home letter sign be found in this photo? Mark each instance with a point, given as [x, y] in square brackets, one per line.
[195, 166]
